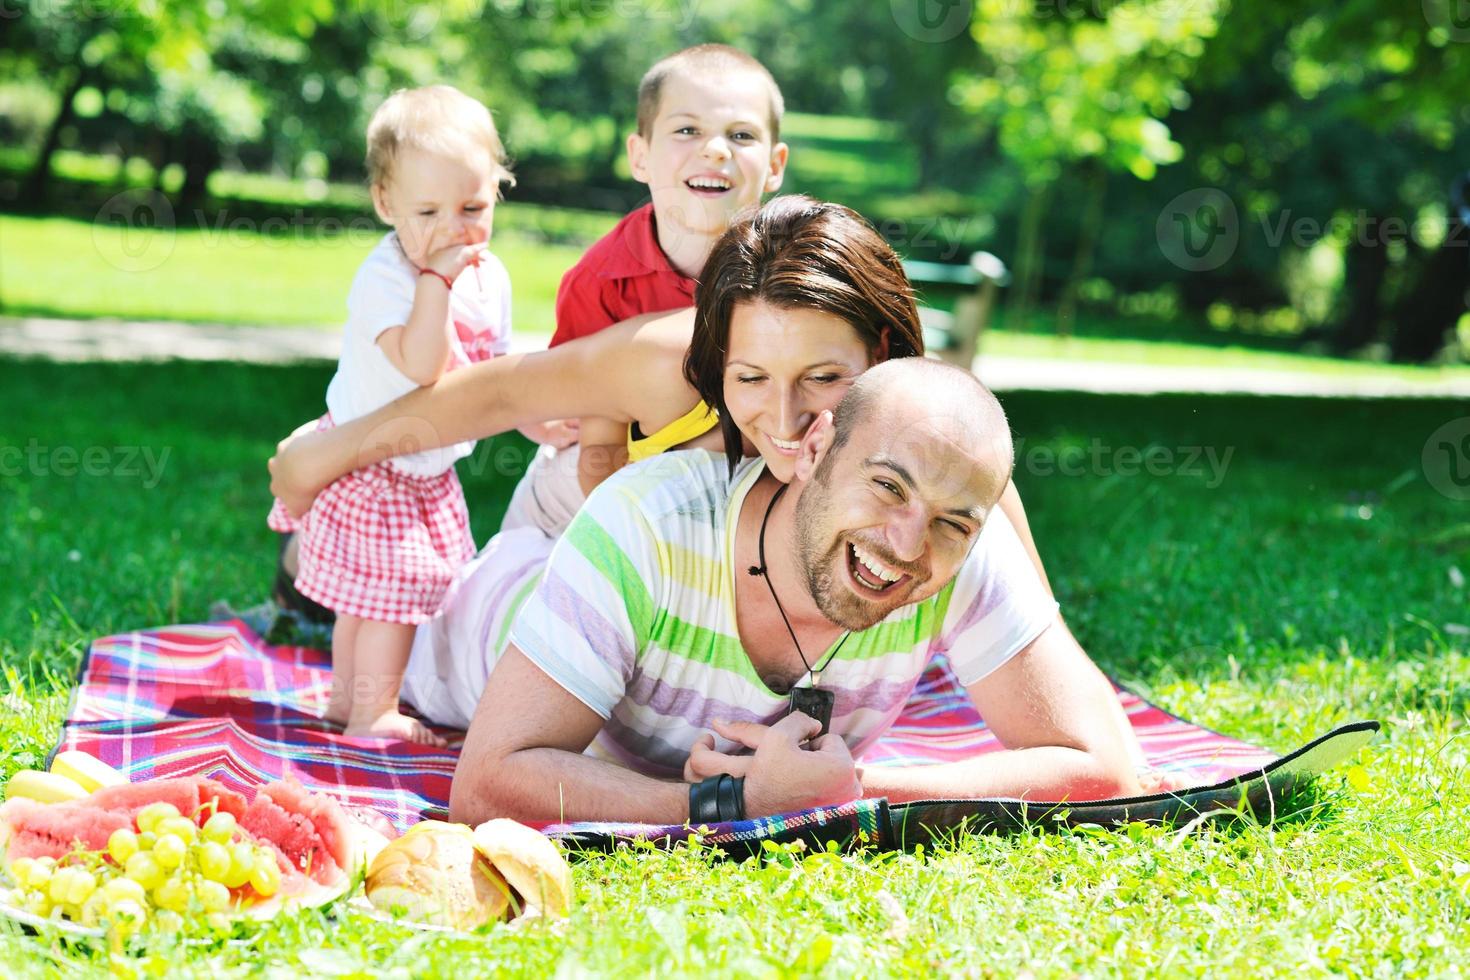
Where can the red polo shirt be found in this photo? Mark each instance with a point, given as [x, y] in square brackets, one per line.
[624, 274]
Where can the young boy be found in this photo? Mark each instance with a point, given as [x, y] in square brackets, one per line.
[708, 146]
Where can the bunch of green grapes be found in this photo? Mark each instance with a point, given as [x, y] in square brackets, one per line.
[168, 867]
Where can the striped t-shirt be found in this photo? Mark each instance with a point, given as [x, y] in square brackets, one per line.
[635, 616]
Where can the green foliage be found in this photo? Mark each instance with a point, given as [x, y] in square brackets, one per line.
[1064, 88]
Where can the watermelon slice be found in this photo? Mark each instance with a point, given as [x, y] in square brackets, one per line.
[32, 829]
[309, 833]
[193, 796]
[29, 829]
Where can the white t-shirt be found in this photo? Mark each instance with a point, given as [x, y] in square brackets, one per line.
[382, 297]
[632, 611]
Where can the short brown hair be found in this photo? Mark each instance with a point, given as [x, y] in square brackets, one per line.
[437, 119]
[798, 252]
[708, 58]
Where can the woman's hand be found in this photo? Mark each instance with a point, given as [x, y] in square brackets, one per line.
[291, 483]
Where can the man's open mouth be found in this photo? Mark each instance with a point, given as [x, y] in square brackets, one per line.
[870, 573]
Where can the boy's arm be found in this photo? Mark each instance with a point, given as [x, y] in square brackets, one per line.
[604, 451]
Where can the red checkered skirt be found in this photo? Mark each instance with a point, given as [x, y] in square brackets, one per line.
[381, 544]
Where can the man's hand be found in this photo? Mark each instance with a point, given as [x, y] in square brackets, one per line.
[1152, 781]
[288, 482]
[784, 774]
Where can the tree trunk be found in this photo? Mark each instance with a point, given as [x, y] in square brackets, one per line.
[38, 185]
[200, 157]
[1087, 234]
[1366, 267]
[1436, 300]
[1029, 242]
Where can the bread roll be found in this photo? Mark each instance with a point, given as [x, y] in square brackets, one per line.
[530, 863]
[436, 874]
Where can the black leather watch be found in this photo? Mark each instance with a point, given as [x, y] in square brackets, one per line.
[718, 799]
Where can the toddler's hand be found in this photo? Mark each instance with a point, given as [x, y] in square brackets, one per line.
[453, 260]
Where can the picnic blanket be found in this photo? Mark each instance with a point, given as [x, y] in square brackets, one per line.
[216, 700]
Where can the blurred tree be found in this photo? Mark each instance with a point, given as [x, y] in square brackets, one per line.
[163, 53]
[1357, 127]
[1081, 92]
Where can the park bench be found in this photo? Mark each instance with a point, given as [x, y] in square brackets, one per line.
[955, 336]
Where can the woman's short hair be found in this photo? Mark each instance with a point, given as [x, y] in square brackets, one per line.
[798, 252]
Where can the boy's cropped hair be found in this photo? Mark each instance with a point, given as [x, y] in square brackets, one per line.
[703, 59]
[437, 119]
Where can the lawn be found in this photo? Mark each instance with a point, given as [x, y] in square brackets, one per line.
[1316, 579]
[299, 276]
[222, 272]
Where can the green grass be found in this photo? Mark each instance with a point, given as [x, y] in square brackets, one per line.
[1309, 586]
[56, 266]
[1177, 354]
[226, 273]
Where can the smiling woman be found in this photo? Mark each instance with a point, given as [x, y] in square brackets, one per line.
[794, 303]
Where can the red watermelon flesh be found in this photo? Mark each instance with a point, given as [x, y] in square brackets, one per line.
[33, 829]
[308, 831]
[53, 829]
[193, 796]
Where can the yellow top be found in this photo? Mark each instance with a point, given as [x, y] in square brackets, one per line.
[693, 424]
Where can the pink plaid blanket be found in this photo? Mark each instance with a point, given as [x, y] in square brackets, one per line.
[215, 700]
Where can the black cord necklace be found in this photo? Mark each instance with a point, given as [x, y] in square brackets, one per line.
[810, 701]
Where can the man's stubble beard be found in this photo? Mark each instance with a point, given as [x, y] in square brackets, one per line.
[839, 606]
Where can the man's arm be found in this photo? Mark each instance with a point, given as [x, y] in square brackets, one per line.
[523, 759]
[1056, 714]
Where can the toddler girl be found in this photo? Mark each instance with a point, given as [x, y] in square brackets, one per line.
[379, 546]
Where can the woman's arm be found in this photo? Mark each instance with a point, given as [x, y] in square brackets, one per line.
[1010, 504]
[611, 373]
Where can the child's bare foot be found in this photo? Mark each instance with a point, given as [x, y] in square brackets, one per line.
[337, 711]
[395, 724]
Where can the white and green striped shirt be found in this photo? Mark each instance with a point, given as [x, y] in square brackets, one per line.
[635, 616]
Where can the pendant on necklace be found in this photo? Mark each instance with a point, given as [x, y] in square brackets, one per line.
[815, 703]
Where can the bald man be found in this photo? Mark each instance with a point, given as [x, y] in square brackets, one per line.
[703, 646]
